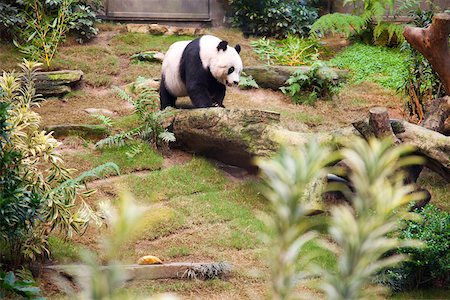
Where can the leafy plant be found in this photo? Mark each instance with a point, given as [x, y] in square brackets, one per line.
[37, 195]
[308, 87]
[429, 265]
[247, 82]
[369, 22]
[379, 201]
[291, 51]
[150, 117]
[25, 288]
[272, 17]
[9, 18]
[84, 19]
[46, 27]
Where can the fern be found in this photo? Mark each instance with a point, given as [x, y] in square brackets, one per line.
[167, 136]
[338, 23]
[247, 82]
[392, 30]
[107, 121]
[134, 150]
[123, 95]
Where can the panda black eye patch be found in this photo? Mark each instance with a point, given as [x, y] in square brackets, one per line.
[230, 70]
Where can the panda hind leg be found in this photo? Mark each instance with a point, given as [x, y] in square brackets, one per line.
[165, 98]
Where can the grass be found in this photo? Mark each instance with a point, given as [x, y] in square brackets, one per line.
[148, 159]
[438, 187]
[309, 119]
[131, 43]
[63, 251]
[382, 65]
[9, 57]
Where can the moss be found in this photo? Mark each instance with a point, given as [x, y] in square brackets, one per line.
[69, 76]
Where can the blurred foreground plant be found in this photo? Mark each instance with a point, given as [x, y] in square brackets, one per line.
[379, 200]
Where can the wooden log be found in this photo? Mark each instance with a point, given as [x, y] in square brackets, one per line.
[432, 42]
[274, 77]
[236, 136]
[56, 83]
[181, 270]
[437, 113]
[380, 124]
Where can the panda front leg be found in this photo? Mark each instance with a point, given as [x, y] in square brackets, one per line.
[199, 95]
[219, 95]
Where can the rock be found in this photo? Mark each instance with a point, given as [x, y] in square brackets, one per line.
[150, 83]
[57, 82]
[99, 111]
[151, 56]
[138, 28]
[157, 29]
[274, 77]
[82, 130]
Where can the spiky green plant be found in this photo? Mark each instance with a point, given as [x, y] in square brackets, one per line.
[380, 199]
[146, 107]
[287, 177]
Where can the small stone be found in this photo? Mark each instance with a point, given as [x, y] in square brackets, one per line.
[157, 29]
[150, 83]
[99, 111]
[138, 28]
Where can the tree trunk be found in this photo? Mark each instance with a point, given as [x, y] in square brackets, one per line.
[437, 113]
[432, 42]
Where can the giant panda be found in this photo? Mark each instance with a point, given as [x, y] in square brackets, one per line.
[200, 69]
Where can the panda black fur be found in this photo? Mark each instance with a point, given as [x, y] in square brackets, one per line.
[200, 69]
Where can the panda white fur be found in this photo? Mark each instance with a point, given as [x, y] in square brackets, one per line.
[200, 69]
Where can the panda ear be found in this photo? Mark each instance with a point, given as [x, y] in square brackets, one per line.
[222, 46]
[238, 48]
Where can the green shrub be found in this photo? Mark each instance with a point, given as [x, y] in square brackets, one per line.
[430, 265]
[308, 87]
[272, 17]
[83, 19]
[291, 51]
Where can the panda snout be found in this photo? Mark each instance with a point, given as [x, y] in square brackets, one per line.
[230, 84]
[236, 82]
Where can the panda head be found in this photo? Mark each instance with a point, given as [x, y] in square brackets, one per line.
[225, 64]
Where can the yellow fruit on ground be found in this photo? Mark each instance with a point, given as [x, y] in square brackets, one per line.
[149, 260]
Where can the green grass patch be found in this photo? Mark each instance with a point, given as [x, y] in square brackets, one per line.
[148, 159]
[126, 122]
[304, 117]
[438, 187]
[382, 65]
[63, 251]
[180, 251]
[9, 57]
[197, 176]
[131, 43]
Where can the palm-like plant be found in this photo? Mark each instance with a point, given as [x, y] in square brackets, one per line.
[380, 199]
[287, 178]
[361, 232]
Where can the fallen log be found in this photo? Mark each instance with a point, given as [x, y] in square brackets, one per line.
[56, 83]
[274, 77]
[236, 136]
[181, 270]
